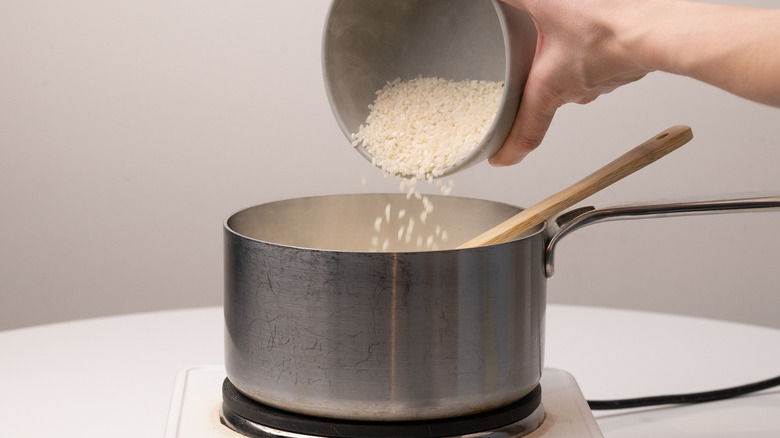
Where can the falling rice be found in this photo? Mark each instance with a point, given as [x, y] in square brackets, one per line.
[421, 228]
[415, 130]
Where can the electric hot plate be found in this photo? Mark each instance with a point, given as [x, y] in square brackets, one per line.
[205, 406]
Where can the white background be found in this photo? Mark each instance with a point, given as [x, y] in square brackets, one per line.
[130, 129]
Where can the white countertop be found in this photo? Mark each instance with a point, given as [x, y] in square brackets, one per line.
[114, 376]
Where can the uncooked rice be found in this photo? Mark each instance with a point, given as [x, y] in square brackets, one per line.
[420, 127]
[401, 224]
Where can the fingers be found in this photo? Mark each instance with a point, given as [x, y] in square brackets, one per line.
[531, 124]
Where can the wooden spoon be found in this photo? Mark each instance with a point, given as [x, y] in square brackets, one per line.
[626, 164]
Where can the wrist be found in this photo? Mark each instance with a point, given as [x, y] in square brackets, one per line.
[639, 29]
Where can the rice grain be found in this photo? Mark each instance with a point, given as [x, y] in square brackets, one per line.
[420, 127]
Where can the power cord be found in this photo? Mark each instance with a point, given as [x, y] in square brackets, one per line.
[696, 397]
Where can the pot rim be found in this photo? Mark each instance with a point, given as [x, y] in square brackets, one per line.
[540, 229]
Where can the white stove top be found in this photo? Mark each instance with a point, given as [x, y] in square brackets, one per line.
[197, 397]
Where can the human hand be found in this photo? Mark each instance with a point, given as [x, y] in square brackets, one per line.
[577, 59]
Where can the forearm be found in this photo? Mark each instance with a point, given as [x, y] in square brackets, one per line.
[731, 47]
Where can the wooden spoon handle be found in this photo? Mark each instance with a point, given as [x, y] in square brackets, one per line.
[626, 164]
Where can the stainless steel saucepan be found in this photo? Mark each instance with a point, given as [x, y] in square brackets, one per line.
[318, 324]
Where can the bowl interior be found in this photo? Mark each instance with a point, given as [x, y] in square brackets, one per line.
[369, 43]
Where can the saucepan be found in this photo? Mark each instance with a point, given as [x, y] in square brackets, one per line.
[322, 321]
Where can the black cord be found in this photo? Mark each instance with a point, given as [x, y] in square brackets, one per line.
[696, 397]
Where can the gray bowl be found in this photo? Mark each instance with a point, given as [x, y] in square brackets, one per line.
[367, 43]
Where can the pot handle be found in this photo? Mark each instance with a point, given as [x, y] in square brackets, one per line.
[581, 217]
